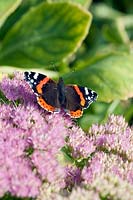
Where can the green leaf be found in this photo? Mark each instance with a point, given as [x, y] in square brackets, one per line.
[111, 77]
[116, 32]
[8, 196]
[128, 21]
[6, 8]
[102, 11]
[42, 36]
[85, 3]
[4, 70]
[16, 15]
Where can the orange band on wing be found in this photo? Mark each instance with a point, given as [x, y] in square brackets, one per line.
[76, 114]
[40, 85]
[44, 105]
[82, 100]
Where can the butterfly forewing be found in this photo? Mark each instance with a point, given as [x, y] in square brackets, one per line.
[50, 94]
[45, 89]
[33, 79]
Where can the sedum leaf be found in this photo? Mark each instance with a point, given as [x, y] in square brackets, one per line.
[105, 12]
[6, 70]
[111, 76]
[16, 15]
[85, 3]
[6, 8]
[50, 32]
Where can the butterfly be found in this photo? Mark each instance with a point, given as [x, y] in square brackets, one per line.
[56, 96]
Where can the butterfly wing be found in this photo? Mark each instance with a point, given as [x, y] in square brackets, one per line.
[88, 95]
[45, 90]
[73, 107]
[77, 99]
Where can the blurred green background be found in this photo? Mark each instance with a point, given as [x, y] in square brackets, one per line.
[86, 42]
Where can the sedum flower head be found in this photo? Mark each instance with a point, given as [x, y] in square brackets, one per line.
[50, 192]
[30, 141]
[15, 88]
[112, 187]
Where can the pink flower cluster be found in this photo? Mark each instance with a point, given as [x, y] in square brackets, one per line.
[25, 129]
[111, 147]
[39, 151]
[17, 89]
[30, 141]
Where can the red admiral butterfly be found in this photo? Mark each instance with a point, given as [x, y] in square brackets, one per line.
[54, 97]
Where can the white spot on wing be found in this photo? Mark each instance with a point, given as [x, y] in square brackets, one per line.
[31, 81]
[35, 76]
[86, 91]
[88, 98]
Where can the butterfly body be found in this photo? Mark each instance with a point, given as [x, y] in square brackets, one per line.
[54, 97]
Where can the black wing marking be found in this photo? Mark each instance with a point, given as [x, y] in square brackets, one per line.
[89, 95]
[33, 79]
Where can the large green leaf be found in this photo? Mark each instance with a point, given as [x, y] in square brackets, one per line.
[111, 76]
[50, 32]
[115, 32]
[10, 70]
[105, 12]
[118, 30]
[85, 3]
[6, 8]
[16, 15]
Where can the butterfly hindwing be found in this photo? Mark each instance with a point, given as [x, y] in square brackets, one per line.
[73, 109]
[82, 98]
